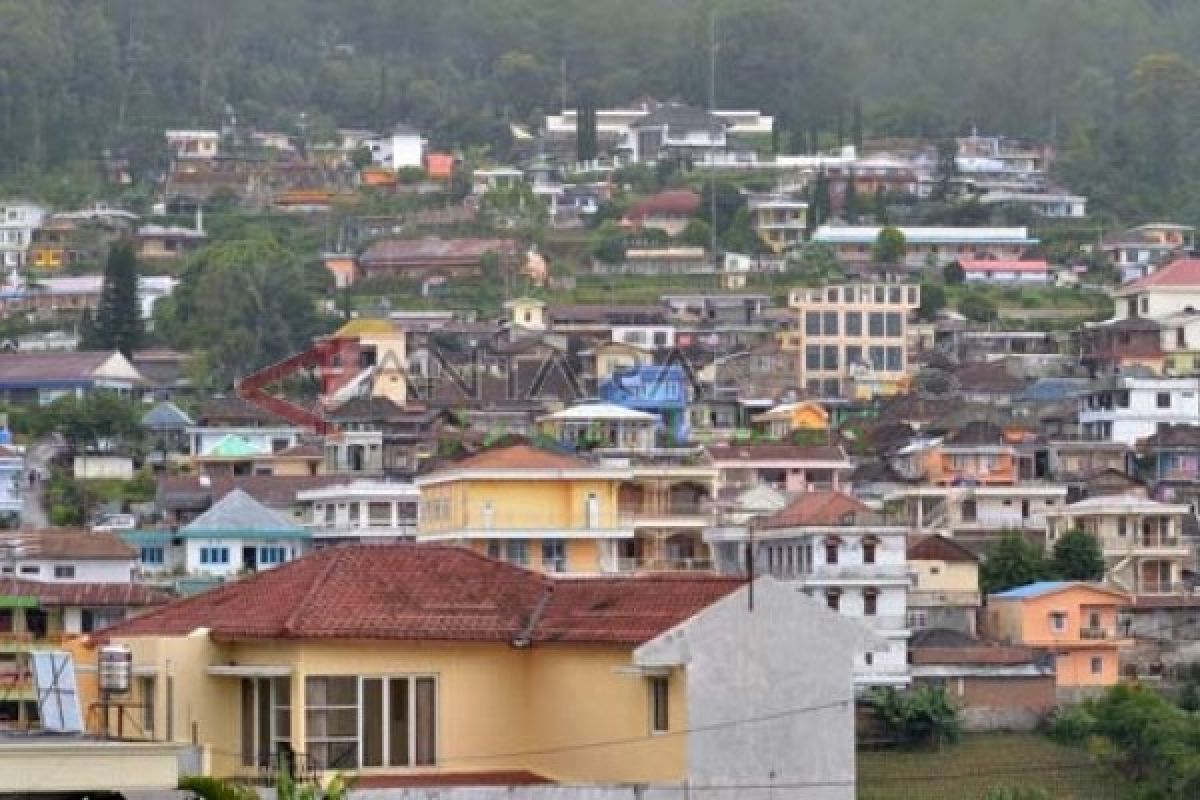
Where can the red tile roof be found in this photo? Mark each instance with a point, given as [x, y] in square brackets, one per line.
[519, 456]
[821, 508]
[57, 543]
[1180, 272]
[673, 202]
[84, 594]
[414, 592]
[939, 548]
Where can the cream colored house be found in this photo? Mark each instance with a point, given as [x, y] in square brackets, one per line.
[409, 665]
[1142, 539]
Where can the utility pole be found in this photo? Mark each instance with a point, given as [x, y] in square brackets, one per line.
[712, 107]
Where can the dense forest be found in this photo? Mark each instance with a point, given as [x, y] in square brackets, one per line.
[1113, 82]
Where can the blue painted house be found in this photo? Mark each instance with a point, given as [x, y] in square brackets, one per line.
[664, 391]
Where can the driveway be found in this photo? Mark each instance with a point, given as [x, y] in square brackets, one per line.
[33, 503]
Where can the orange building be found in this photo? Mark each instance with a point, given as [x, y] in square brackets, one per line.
[1076, 622]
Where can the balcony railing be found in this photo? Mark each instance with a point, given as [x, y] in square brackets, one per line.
[1095, 634]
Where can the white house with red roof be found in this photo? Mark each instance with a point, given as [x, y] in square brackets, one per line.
[1169, 290]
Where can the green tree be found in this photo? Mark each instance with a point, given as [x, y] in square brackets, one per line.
[245, 302]
[696, 233]
[978, 307]
[946, 170]
[610, 244]
[881, 206]
[850, 209]
[954, 274]
[820, 206]
[118, 323]
[1077, 557]
[890, 248]
[933, 300]
[1012, 561]
[921, 716]
[586, 142]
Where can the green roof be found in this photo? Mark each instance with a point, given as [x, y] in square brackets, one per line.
[233, 446]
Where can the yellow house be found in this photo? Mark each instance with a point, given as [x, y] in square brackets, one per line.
[945, 589]
[419, 665]
[787, 418]
[1076, 622]
[531, 507]
[558, 512]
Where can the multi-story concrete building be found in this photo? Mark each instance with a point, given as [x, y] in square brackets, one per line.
[854, 337]
[1124, 408]
[779, 220]
[18, 222]
[360, 511]
[1142, 540]
[836, 549]
[1170, 289]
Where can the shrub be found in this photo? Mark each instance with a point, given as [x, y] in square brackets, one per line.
[1070, 725]
[922, 716]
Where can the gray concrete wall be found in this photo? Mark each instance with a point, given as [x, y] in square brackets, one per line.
[770, 695]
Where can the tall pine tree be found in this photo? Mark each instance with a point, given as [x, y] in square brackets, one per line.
[850, 204]
[118, 324]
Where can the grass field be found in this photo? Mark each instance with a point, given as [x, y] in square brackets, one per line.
[980, 762]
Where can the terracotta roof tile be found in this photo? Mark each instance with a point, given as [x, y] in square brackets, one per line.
[414, 592]
[939, 548]
[55, 543]
[821, 508]
[520, 456]
[85, 594]
[1180, 272]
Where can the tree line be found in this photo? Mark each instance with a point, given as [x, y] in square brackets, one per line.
[1114, 83]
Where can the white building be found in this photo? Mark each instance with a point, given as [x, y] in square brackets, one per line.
[965, 511]
[1125, 409]
[360, 511]
[927, 246]
[238, 534]
[1141, 539]
[204, 439]
[1035, 272]
[18, 221]
[837, 550]
[1169, 290]
[66, 556]
[193, 144]
[402, 148]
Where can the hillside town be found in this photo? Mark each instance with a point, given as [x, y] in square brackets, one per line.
[661, 453]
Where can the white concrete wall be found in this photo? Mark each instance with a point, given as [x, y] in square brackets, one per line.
[770, 694]
[86, 570]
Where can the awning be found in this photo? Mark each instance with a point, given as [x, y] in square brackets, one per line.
[250, 670]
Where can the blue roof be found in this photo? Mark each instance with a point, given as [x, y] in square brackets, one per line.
[1035, 589]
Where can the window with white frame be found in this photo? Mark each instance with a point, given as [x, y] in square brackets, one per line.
[371, 721]
[266, 720]
[660, 710]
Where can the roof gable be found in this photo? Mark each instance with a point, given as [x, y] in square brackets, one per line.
[821, 508]
[239, 513]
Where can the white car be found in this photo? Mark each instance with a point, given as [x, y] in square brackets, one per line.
[115, 522]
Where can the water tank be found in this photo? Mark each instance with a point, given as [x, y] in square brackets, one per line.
[115, 669]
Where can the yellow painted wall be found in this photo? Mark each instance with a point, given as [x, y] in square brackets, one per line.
[943, 576]
[499, 707]
[516, 503]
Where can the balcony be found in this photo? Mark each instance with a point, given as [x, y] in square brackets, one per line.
[628, 566]
[670, 515]
[1097, 634]
[858, 574]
